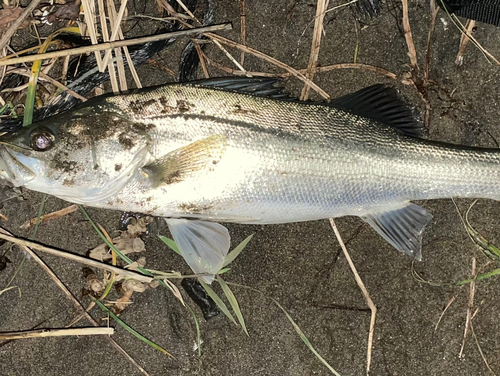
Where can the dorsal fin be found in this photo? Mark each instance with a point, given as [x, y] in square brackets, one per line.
[258, 86]
[382, 104]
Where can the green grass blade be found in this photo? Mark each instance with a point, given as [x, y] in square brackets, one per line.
[129, 329]
[235, 252]
[295, 326]
[198, 333]
[39, 217]
[234, 303]
[222, 271]
[222, 306]
[170, 243]
[306, 341]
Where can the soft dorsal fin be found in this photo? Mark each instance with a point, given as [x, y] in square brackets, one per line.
[174, 167]
[402, 227]
[258, 86]
[382, 104]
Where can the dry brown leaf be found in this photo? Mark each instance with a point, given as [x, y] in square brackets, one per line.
[124, 245]
[8, 15]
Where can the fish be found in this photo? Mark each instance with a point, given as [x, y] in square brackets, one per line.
[240, 150]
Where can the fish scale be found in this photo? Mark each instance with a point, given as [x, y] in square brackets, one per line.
[198, 153]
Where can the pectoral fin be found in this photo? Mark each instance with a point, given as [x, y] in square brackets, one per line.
[204, 245]
[198, 156]
[402, 227]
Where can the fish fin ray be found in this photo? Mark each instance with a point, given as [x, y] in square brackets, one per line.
[401, 227]
[198, 156]
[385, 105]
[204, 245]
[258, 86]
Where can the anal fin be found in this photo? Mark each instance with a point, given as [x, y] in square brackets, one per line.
[401, 227]
[204, 245]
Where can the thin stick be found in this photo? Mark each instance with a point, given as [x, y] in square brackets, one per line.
[116, 27]
[316, 70]
[429, 35]
[115, 44]
[480, 350]
[202, 59]
[4, 40]
[464, 40]
[88, 11]
[412, 53]
[321, 7]
[243, 36]
[75, 302]
[50, 216]
[361, 285]
[38, 333]
[105, 37]
[470, 305]
[77, 258]
[444, 311]
[271, 60]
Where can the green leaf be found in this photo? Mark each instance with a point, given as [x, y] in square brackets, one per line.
[129, 329]
[170, 243]
[222, 306]
[198, 333]
[222, 271]
[235, 252]
[234, 303]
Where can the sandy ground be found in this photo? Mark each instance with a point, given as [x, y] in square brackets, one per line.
[300, 265]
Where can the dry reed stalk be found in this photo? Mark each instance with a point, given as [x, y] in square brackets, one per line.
[363, 289]
[321, 7]
[412, 53]
[50, 216]
[464, 40]
[77, 258]
[42, 333]
[120, 43]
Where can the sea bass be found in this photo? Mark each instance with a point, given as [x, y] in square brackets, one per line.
[238, 150]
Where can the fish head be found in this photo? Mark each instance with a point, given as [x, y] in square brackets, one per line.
[82, 157]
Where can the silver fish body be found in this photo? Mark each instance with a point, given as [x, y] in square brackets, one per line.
[191, 151]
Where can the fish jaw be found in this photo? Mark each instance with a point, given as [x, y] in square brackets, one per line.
[16, 168]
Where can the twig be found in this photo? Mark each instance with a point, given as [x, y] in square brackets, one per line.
[77, 258]
[444, 311]
[361, 285]
[202, 59]
[75, 302]
[412, 53]
[115, 44]
[116, 27]
[271, 60]
[428, 53]
[470, 305]
[56, 333]
[316, 70]
[243, 37]
[464, 40]
[4, 40]
[480, 350]
[105, 37]
[321, 7]
[50, 216]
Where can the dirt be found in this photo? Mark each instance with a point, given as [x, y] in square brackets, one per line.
[299, 265]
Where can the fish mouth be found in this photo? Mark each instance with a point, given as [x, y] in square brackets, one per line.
[13, 167]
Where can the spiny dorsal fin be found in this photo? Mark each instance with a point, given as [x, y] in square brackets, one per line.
[382, 104]
[198, 156]
[258, 86]
[402, 227]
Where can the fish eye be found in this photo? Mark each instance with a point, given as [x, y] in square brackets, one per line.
[42, 139]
